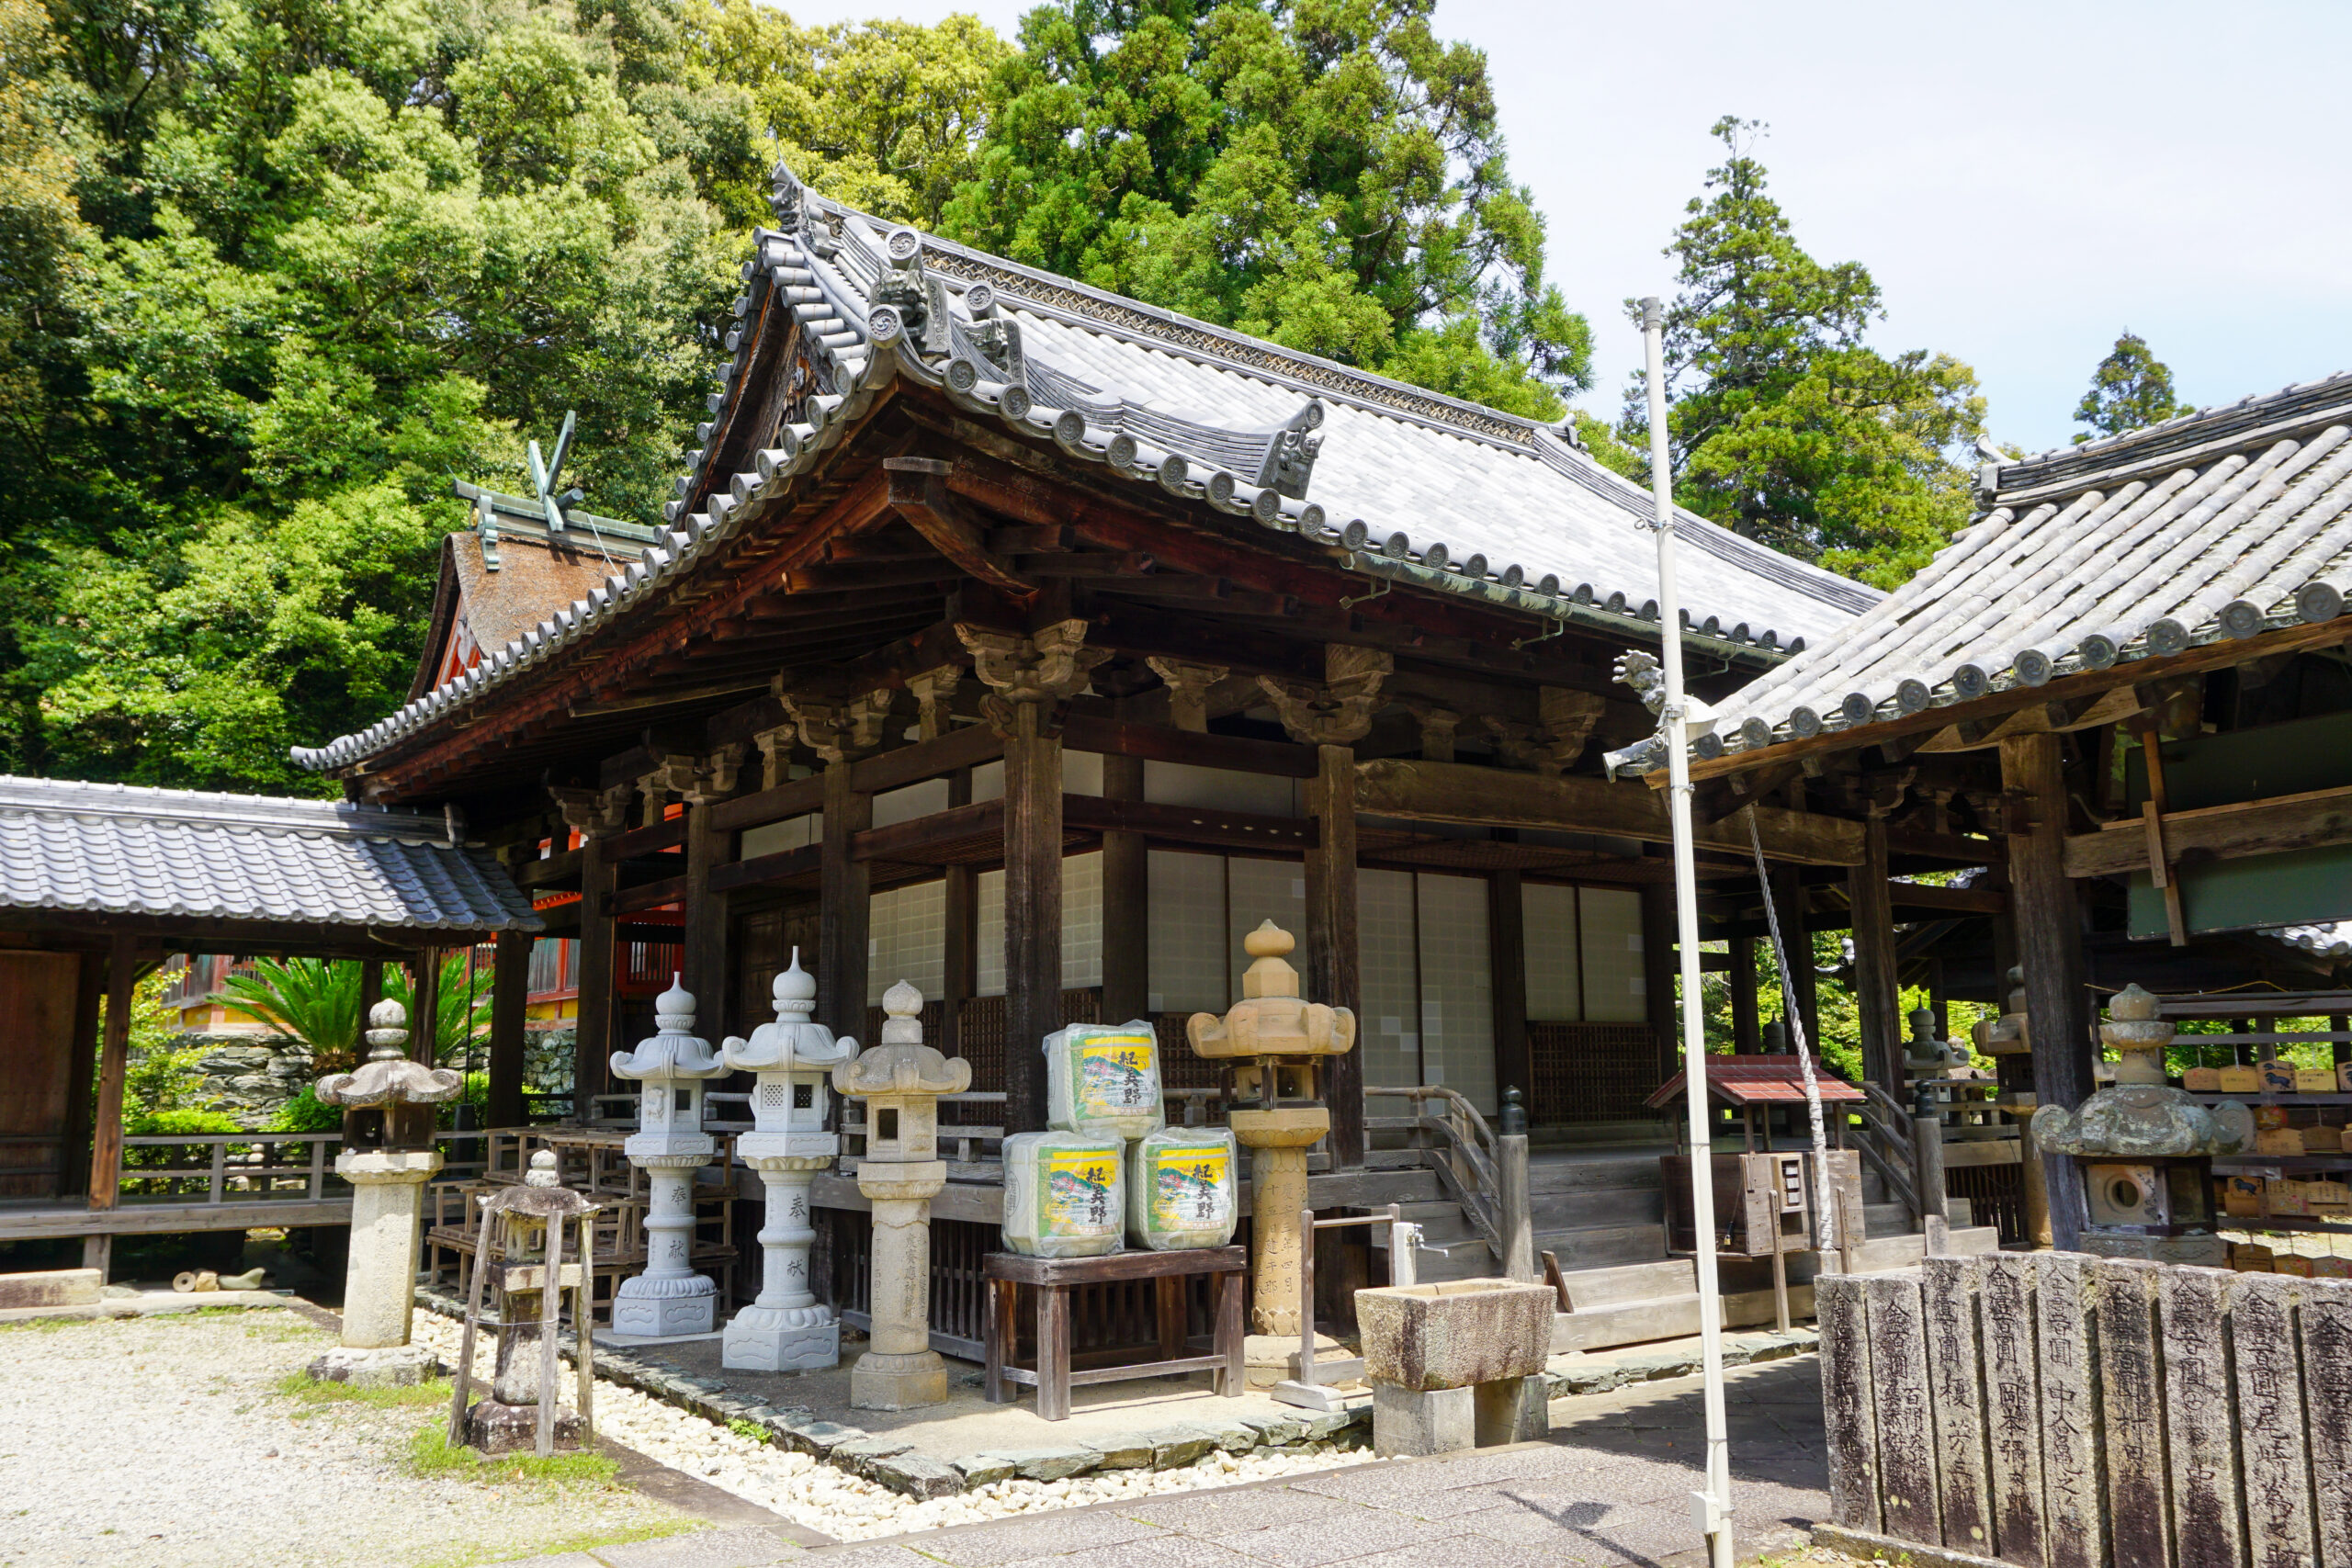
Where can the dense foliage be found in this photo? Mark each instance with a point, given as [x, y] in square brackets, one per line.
[1783, 423]
[2131, 389]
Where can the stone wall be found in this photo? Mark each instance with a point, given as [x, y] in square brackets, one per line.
[248, 1076]
[2059, 1409]
[547, 1059]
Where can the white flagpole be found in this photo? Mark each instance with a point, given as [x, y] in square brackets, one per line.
[1712, 1507]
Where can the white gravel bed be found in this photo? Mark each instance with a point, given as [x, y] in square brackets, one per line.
[164, 1441]
[811, 1492]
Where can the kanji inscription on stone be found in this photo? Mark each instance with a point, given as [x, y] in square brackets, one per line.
[2131, 1401]
[2325, 1319]
[2013, 1406]
[1845, 1401]
[2201, 1429]
[2075, 1512]
[2271, 1441]
[1907, 1443]
[1955, 1379]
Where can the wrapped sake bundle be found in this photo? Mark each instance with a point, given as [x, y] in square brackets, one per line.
[1180, 1188]
[1103, 1079]
[1065, 1194]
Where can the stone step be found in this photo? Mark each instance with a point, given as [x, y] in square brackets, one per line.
[1570, 1210]
[1885, 1219]
[1668, 1317]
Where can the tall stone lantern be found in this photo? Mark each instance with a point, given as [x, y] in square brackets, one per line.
[2146, 1149]
[389, 1106]
[1277, 1042]
[669, 1299]
[900, 1081]
[787, 1329]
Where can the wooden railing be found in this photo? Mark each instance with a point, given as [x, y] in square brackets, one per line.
[1884, 1139]
[251, 1166]
[1456, 1142]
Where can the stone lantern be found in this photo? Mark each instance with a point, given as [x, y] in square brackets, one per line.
[519, 1253]
[669, 1301]
[1277, 1044]
[787, 1329]
[2146, 1149]
[389, 1106]
[900, 1081]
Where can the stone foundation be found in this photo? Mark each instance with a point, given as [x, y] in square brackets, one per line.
[394, 1366]
[495, 1428]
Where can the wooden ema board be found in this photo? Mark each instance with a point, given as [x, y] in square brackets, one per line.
[2057, 1410]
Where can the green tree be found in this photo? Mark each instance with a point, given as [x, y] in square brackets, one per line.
[2131, 389]
[1783, 424]
[1328, 174]
[316, 1001]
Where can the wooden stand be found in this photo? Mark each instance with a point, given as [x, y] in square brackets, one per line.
[1051, 1279]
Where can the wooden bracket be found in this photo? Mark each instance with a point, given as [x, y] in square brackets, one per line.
[2152, 813]
[918, 493]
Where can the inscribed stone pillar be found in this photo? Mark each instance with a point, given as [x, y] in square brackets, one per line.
[2075, 1489]
[1908, 1492]
[2326, 1324]
[2013, 1399]
[2132, 1409]
[1848, 1405]
[2273, 1425]
[2201, 1423]
[1955, 1387]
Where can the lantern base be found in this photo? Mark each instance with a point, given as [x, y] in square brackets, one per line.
[880, 1382]
[387, 1366]
[495, 1428]
[667, 1315]
[765, 1339]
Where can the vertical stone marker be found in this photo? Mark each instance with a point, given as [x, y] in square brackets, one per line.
[1956, 1387]
[2131, 1394]
[2013, 1403]
[2271, 1435]
[2200, 1427]
[1848, 1406]
[2074, 1488]
[1907, 1443]
[2326, 1324]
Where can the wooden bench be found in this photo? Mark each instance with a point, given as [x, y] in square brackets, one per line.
[1050, 1280]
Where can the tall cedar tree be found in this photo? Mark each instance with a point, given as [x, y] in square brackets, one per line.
[2131, 389]
[1325, 173]
[1782, 424]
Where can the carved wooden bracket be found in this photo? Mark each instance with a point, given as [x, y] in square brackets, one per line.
[918, 493]
[1046, 667]
[838, 730]
[1188, 690]
[1340, 710]
[775, 751]
[672, 779]
[594, 813]
[933, 690]
[715, 780]
[1439, 725]
[1551, 746]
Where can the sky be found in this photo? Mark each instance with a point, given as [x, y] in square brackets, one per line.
[2024, 181]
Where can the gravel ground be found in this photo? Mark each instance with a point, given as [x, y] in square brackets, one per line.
[164, 1440]
[831, 1501]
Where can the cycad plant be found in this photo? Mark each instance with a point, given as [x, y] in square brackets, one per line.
[316, 1001]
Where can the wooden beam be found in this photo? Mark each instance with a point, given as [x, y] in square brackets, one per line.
[1458, 792]
[82, 1073]
[653, 894]
[649, 839]
[1164, 743]
[114, 1067]
[1334, 975]
[1191, 824]
[1126, 899]
[555, 871]
[510, 988]
[967, 747]
[918, 491]
[2311, 821]
[796, 798]
[917, 839]
[1032, 910]
[845, 896]
[2050, 950]
[764, 870]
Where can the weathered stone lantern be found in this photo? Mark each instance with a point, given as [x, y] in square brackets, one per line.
[2146, 1149]
[522, 1229]
[900, 1081]
[669, 1299]
[1277, 1044]
[787, 1329]
[389, 1105]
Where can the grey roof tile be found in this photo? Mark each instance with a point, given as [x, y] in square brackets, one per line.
[121, 850]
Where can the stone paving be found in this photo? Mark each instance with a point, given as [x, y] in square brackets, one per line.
[1610, 1489]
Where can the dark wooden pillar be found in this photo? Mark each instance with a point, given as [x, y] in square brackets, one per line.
[960, 965]
[1878, 997]
[1796, 940]
[114, 1064]
[510, 990]
[1126, 903]
[593, 1041]
[1507, 943]
[1747, 1032]
[1333, 951]
[2050, 950]
[709, 969]
[81, 1074]
[1658, 960]
[845, 893]
[1032, 909]
[424, 1010]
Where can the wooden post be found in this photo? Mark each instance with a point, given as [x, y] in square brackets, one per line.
[424, 1014]
[1515, 1206]
[1877, 997]
[371, 991]
[1333, 952]
[708, 967]
[510, 989]
[1032, 909]
[1658, 963]
[1126, 903]
[2050, 950]
[81, 1074]
[960, 965]
[845, 895]
[1746, 1030]
[114, 1063]
[593, 1039]
[1507, 944]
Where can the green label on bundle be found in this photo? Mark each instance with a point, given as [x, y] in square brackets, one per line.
[1076, 1192]
[1116, 1076]
[1192, 1189]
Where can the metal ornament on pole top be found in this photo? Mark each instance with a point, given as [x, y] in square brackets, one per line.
[1712, 1507]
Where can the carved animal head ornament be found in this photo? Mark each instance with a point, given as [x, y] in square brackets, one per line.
[1641, 671]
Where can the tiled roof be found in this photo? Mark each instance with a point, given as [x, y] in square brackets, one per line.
[2219, 524]
[111, 849]
[1759, 1080]
[1408, 482]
